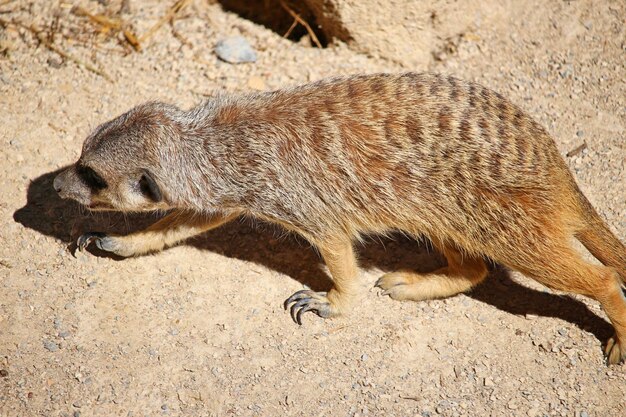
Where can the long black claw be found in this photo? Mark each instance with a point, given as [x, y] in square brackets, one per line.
[85, 239]
[303, 310]
[298, 295]
[296, 309]
[307, 300]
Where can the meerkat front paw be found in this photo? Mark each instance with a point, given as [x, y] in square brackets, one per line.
[86, 239]
[103, 242]
[308, 300]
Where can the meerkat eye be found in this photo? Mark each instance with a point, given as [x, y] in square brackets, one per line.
[149, 187]
[91, 177]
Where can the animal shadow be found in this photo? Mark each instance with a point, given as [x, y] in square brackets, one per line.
[270, 246]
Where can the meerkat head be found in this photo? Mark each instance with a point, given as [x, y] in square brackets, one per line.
[121, 166]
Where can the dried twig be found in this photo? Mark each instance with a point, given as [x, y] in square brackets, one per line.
[111, 23]
[303, 22]
[107, 22]
[177, 7]
[179, 35]
[406, 397]
[291, 28]
[577, 150]
[132, 39]
[41, 36]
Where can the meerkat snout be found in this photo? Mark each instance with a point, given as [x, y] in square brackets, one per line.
[64, 186]
[57, 184]
[67, 184]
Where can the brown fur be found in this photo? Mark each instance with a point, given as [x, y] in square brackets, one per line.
[426, 154]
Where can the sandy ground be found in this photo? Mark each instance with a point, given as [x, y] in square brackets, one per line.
[199, 329]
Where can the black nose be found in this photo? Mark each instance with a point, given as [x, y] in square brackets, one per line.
[57, 184]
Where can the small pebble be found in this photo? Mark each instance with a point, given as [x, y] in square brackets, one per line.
[532, 412]
[235, 50]
[55, 62]
[4, 373]
[566, 71]
[51, 346]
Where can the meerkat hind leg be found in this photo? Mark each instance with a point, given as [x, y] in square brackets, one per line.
[462, 273]
[341, 262]
[171, 229]
[566, 270]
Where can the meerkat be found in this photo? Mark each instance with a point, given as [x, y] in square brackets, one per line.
[429, 155]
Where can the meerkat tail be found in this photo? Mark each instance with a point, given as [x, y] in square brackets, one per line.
[600, 240]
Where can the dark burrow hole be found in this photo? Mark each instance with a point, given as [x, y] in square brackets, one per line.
[272, 15]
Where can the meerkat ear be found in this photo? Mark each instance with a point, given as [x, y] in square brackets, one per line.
[149, 187]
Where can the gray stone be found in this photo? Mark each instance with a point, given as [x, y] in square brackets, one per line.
[567, 71]
[50, 345]
[235, 50]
